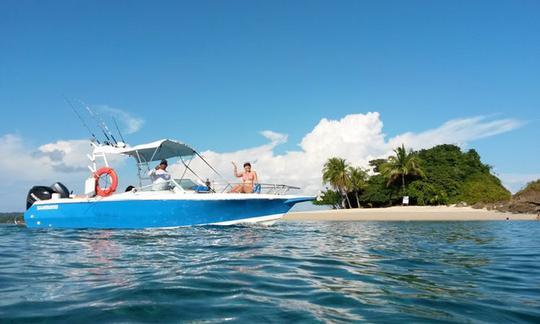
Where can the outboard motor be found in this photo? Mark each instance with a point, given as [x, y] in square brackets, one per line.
[38, 193]
[60, 189]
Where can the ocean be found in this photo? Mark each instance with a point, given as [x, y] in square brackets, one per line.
[290, 272]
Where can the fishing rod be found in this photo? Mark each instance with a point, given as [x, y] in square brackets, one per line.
[118, 130]
[94, 117]
[107, 129]
[81, 119]
[101, 124]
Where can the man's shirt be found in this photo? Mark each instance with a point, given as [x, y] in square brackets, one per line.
[160, 179]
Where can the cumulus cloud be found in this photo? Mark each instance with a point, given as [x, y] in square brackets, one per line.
[358, 138]
[66, 156]
[22, 162]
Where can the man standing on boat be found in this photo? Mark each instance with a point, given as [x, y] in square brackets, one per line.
[160, 177]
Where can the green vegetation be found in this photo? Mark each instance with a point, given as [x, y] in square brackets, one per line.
[358, 181]
[440, 175]
[329, 198]
[335, 173]
[455, 176]
[347, 183]
[400, 166]
[10, 218]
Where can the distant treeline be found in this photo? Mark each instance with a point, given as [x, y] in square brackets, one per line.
[440, 175]
[10, 218]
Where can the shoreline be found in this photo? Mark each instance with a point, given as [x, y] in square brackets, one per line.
[407, 213]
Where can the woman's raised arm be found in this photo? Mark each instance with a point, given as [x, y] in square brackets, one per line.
[236, 174]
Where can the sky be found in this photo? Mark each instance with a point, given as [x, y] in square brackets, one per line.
[283, 84]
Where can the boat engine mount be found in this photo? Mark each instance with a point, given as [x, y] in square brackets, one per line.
[45, 193]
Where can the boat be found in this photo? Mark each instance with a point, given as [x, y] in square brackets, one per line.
[188, 200]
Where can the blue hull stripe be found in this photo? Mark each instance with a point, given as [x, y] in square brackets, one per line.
[149, 213]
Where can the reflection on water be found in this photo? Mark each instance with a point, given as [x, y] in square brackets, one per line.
[311, 271]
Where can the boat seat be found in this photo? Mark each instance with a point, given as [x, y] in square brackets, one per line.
[257, 188]
[198, 188]
[188, 184]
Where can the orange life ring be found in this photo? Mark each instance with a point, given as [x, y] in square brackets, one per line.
[104, 192]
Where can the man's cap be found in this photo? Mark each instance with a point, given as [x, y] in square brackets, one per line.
[164, 162]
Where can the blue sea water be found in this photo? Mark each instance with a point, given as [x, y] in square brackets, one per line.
[291, 272]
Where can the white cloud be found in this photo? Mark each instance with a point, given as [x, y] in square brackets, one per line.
[127, 123]
[66, 156]
[23, 163]
[457, 131]
[274, 137]
[516, 181]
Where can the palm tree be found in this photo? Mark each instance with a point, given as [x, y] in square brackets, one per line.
[335, 173]
[401, 165]
[358, 178]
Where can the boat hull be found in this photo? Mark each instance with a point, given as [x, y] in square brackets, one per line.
[154, 213]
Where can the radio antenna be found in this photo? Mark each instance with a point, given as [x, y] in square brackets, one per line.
[81, 119]
[118, 130]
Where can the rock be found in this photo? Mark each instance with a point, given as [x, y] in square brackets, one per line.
[478, 205]
[525, 201]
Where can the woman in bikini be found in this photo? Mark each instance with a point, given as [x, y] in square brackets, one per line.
[249, 179]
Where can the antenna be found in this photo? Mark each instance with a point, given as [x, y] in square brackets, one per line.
[81, 119]
[118, 130]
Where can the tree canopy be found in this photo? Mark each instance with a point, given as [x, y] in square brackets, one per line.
[400, 166]
[335, 173]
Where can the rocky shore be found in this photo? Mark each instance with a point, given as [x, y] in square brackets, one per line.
[526, 201]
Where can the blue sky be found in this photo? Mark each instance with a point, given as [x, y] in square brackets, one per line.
[216, 73]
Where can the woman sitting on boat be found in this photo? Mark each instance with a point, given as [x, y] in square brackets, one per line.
[249, 179]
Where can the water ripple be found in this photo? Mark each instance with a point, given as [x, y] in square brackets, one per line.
[301, 272]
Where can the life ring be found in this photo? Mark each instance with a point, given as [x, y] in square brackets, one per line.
[104, 192]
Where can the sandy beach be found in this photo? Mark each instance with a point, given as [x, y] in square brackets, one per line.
[407, 213]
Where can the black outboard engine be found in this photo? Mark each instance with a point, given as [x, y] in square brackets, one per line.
[38, 193]
[60, 189]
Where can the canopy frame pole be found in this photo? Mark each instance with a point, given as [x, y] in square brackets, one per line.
[188, 168]
[185, 169]
[215, 171]
[155, 152]
[139, 169]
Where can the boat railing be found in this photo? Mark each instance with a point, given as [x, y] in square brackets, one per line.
[216, 187]
[261, 188]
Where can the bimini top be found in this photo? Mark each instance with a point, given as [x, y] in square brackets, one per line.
[155, 151]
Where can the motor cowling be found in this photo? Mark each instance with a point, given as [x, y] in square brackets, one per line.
[60, 189]
[38, 193]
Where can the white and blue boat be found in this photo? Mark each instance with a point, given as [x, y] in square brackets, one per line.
[182, 202]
